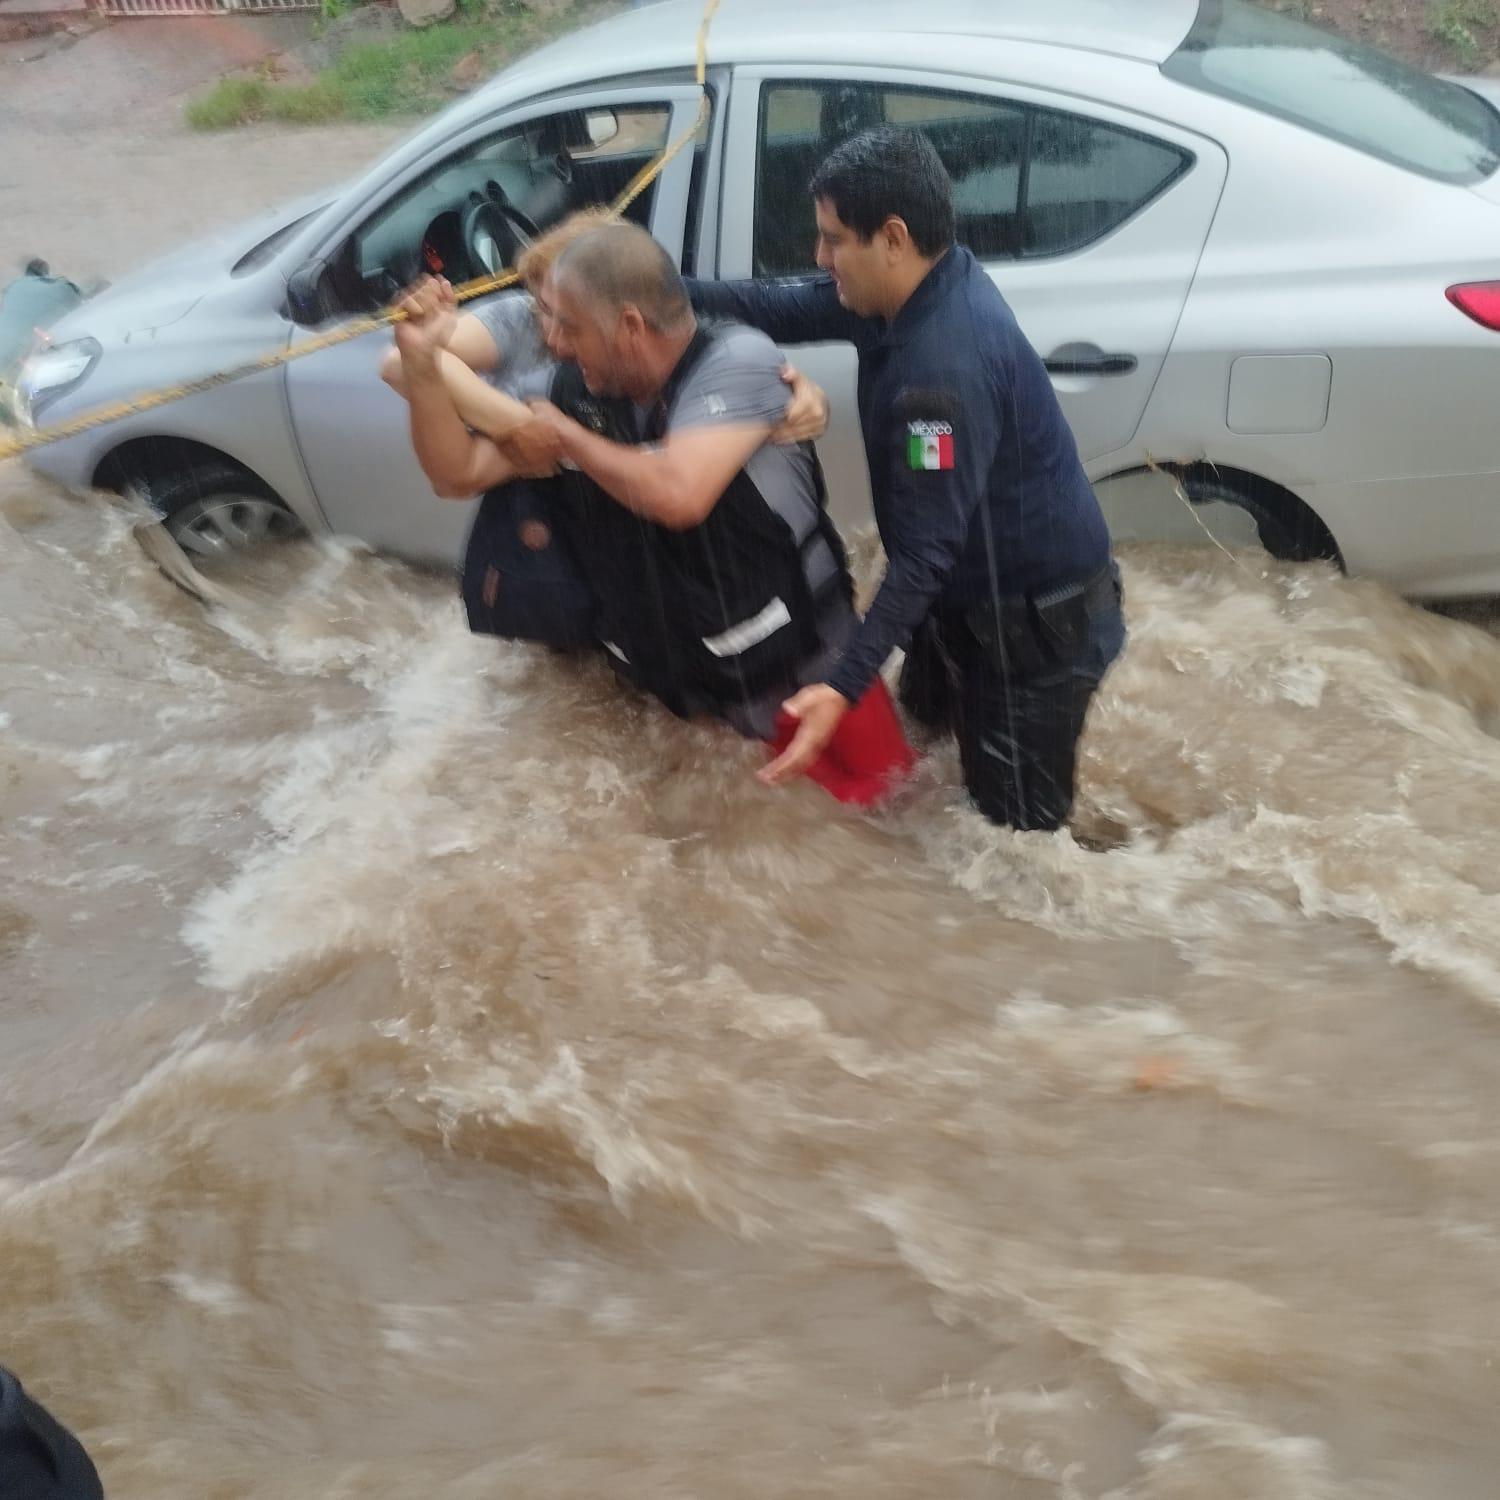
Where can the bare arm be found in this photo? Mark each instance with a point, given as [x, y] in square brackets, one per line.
[458, 463]
[480, 405]
[465, 338]
[675, 483]
[509, 422]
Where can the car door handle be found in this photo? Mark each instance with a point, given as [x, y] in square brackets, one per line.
[1097, 364]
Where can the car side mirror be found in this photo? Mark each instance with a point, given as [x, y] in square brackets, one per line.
[310, 295]
[602, 125]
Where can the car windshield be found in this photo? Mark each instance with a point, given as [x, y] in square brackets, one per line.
[1341, 89]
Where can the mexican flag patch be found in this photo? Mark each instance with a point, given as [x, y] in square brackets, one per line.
[929, 445]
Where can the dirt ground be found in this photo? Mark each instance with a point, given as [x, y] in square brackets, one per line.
[100, 209]
[1412, 29]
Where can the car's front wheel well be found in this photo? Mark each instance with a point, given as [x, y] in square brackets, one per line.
[210, 504]
[142, 462]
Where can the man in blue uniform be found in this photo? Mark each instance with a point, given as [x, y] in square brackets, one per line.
[999, 580]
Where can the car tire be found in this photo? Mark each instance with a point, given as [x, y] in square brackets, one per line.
[214, 508]
[1288, 530]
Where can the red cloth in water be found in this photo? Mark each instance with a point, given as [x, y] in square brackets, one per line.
[868, 754]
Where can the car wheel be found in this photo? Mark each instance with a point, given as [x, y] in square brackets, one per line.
[1288, 530]
[214, 510]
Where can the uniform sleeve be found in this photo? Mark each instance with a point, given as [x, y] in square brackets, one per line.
[938, 452]
[790, 312]
[738, 384]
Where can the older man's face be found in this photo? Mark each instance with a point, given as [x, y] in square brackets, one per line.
[591, 338]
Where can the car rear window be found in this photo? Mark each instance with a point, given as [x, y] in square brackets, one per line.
[1341, 89]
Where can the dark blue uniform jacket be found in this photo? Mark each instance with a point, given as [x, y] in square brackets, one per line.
[978, 490]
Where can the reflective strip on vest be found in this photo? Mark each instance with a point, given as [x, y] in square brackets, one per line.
[740, 638]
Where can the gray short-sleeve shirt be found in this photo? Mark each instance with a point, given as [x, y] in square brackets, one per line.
[512, 324]
[738, 383]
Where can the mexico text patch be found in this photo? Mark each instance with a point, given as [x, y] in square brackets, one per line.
[929, 445]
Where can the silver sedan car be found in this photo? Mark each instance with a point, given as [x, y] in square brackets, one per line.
[1261, 263]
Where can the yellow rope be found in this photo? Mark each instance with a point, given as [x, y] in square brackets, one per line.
[24, 442]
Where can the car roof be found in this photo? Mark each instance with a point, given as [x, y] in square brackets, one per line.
[663, 36]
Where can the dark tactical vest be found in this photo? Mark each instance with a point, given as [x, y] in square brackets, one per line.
[519, 588]
[718, 613]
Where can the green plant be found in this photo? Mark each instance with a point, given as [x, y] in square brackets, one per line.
[1454, 22]
[403, 75]
[314, 103]
[406, 74]
[231, 101]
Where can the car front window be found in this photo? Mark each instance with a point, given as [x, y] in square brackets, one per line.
[540, 170]
[1341, 89]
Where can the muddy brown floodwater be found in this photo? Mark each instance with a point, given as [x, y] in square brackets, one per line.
[425, 1070]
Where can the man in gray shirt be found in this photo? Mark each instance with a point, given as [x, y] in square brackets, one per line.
[723, 581]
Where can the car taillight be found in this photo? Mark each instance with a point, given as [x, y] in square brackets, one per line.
[1480, 299]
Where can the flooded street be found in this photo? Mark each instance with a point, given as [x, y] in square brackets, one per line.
[426, 1069]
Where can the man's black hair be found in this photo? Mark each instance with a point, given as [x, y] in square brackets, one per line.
[884, 173]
